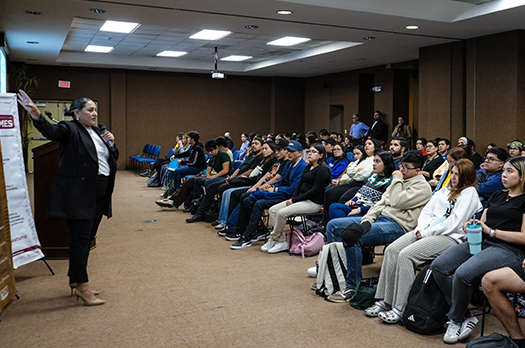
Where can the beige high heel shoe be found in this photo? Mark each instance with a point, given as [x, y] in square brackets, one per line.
[73, 286]
[87, 302]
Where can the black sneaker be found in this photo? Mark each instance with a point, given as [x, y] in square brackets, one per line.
[242, 243]
[222, 232]
[260, 237]
[232, 236]
[215, 223]
[198, 217]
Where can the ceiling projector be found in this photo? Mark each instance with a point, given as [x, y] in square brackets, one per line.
[217, 74]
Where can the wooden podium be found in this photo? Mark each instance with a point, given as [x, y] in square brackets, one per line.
[53, 234]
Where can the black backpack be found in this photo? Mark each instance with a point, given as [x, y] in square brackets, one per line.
[427, 308]
[212, 213]
[494, 340]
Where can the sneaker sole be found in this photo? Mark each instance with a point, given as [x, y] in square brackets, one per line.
[276, 251]
[260, 238]
[219, 227]
[467, 332]
[239, 247]
[221, 233]
[167, 205]
[232, 239]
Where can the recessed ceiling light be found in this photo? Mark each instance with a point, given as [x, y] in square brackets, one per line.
[171, 54]
[251, 27]
[97, 10]
[98, 49]
[412, 27]
[288, 41]
[234, 58]
[359, 59]
[284, 12]
[119, 27]
[34, 13]
[209, 34]
[369, 38]
[33, 42]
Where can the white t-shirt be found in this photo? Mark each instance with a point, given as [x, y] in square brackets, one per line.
[102, 153]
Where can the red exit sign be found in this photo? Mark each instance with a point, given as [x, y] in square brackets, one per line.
[64, 84]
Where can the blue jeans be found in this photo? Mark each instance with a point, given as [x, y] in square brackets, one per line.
[384, 230]
[181, 172]
[225, 203]
[339, 210]
[458, 273]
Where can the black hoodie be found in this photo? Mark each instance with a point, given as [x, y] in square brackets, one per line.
[196, 158]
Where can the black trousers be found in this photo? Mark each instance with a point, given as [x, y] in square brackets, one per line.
[81, 233]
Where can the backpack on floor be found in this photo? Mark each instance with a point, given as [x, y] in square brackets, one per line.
[365, 292]
[427, 308]
[331, 273]
[303, 245]
[494, 340]
[212, 213]
[154, 181]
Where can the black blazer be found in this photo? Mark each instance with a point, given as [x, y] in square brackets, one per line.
[380, 131]
[73, 192]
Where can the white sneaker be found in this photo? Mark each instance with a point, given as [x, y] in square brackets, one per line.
[220, 226]
[312, 272]
[468, 325]
[278, 247]
[268, 245]
[453, 332]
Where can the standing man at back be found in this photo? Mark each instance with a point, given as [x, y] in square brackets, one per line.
[379, 129]
[358, 130]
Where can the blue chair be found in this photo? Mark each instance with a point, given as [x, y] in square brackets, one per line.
[236, 155]
[134, 160]
[237, 164]
[350, 156]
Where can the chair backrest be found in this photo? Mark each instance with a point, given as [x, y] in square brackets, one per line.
[237, 164]
[236, 155]
[149, 150]
[156, 151]
[207, 157]
[170, 152]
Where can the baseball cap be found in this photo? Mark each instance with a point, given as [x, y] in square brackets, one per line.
[281, 143]
[295, 146]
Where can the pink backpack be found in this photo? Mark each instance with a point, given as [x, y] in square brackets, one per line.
[305, 245]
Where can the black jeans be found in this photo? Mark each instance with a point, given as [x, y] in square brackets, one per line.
[81, 233]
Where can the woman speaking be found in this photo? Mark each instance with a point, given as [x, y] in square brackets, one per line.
[81, 191]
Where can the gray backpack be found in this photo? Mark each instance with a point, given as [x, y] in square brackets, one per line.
[494, 340]
[331, 274]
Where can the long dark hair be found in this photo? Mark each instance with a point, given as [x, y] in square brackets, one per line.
[388, 162]
[377, 146]
[77, 104]
[272, 147]
[320, 147]
[363, 153]
[343, 156]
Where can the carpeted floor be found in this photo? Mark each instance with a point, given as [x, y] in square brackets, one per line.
[172, 284]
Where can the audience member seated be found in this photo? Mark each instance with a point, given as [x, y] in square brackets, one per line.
[329, 144]
[371, 192]
[439, 227]
[271, 167]
[475, 157]
[180, 148]
[353, 177]
[306, 199]
[458, 273]
[420, 146]
[219, 163]
[496, 284]
[349, 147]
[338, 162]
[193, 165]
[253, 204]
[396, 213]
[245, 144]
[441, 180]
[229, 141]
[398, 146]
[242, 176]
[462, 141]
[348, 183]
[489, 175]
[443, 147]
[222, 144]
[515, 148]
[433, 161]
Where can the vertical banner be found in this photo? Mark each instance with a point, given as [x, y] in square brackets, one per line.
[24, 239]
[7, 274]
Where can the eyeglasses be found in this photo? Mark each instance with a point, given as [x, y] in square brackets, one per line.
[313, 151]
[512, 148]
[491, 159]
[404, 168]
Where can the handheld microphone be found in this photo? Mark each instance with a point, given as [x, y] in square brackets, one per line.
[103, 130]
[50, 115]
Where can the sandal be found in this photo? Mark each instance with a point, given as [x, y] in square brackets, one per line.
[390, 317]
[379, 306]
